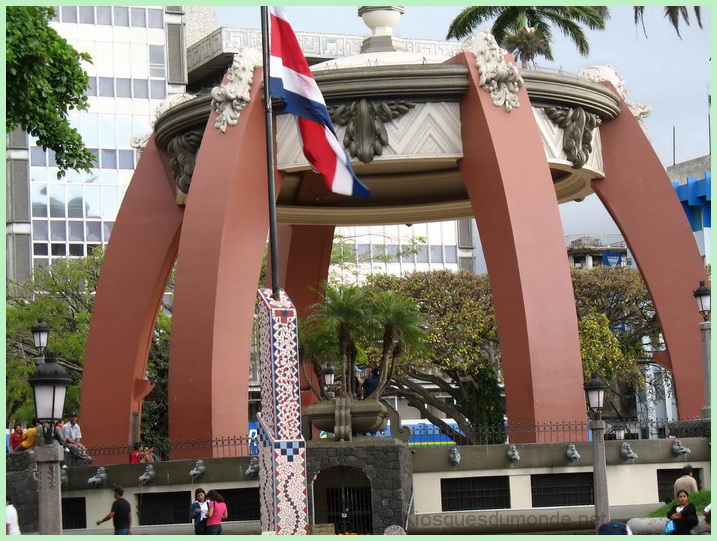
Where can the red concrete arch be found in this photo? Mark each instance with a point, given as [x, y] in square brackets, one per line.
[639, 196]
[514, 201]
[133, 279]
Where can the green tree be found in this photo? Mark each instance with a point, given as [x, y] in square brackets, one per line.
[155, 429]
[62, 295]
[45, 80]
[674, 14]
[569, 20]
[525, 44]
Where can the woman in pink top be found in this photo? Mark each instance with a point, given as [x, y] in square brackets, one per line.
[216, 512]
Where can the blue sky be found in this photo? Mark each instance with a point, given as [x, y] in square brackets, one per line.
[671, 74]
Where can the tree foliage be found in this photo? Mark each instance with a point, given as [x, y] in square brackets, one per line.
[569, 20]
[674, 14]
[45, 80]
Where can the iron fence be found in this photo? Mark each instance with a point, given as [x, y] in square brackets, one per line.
[429, 435]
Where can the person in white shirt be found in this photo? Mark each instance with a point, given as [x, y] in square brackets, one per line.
[12, 525]
[72, 433]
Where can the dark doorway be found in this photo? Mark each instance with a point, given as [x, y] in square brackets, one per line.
[342, 497]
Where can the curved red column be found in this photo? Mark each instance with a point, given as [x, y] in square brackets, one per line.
[513, 199]
[639, 196]
[220, 253]
[134, 274]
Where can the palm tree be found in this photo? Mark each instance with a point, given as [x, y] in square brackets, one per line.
[401, 328]
[569, 20]
[525, 45]
[673, 14]
[344, 312]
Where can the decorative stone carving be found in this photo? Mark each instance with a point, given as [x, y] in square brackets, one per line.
[513, 454]
[680, 450]
[607, 73]
[497, 76]
[578, 129]
[454, 456]
[167, 103]
[572, 453]
[183, 150]
[229, 99]
[365, 121]
[626, 452]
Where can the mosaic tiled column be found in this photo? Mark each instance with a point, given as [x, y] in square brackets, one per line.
[282, 449]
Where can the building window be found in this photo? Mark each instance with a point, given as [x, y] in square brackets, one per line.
[155, 18]
[156, 61]
[471, 493]
[242, 503]
[106, 87]
[562, 489]
[164, 508]
[124, 88]
[666, 482]
[140, 88]
[87, 15]
[138, 17]
[69, 14]
[74, 514]
[104, 15]
[436, 254]
[121, 16]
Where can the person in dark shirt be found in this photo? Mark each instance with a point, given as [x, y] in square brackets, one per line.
[121, 513]
[371, 383]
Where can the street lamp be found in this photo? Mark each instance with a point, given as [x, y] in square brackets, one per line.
[40, 332]
[595, 391]
[329, 373]
[49, 384]
[702, 294]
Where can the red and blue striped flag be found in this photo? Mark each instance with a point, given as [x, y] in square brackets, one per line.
[291, 81]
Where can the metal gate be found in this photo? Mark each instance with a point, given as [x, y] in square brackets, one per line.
[347, 506]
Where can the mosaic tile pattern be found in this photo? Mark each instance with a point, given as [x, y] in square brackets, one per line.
[282, 449]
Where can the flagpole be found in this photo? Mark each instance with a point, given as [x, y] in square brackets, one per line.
[273, 241]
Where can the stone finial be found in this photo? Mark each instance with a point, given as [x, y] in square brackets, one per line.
[499, 77]
[381, 20]
[230, 98]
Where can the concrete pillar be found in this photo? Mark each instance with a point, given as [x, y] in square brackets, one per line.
[48, 458]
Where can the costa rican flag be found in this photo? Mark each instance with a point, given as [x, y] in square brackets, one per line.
[291, 81]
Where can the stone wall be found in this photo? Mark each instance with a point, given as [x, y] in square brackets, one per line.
[21, 485]
[386, 463]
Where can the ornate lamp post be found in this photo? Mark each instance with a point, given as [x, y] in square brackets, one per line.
[49, 384]
[703, 296]
[595, 390]
[40, 332]
[329, 373]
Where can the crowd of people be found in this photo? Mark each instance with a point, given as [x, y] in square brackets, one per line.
[67, 434]
[362, 389]
[143, 453]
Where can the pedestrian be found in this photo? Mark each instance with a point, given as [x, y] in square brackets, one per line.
[72, 433]
[120, 513]
[198, 512]
[216, 513]
[357, 383]
[370, 384]
[16, 436]
[683, 513]
[12, 524]
[687, 482]
[29, 438]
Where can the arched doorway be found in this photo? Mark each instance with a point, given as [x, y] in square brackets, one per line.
[342, 497]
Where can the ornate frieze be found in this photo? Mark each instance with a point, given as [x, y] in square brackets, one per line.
[366, 136]
[578, 129]
[183, 151]
[499, 77]
[229, 99]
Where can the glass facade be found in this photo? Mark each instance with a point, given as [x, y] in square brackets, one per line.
[73, 215]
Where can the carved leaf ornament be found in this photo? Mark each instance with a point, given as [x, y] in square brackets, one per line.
[578, 129]
[365, 122]
[502, 79]
[183, 150]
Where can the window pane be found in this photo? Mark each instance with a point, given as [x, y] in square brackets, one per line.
[140, 88]
[436, 256]
[126, 159]
[110, 203]
[77, 249]
[109, 176]
[109, 158]
[39, 230]
[76, 231]
[90, 129]
[92, 247]
[74, 201]
[51, 158]
[92, 90]
[158, 91]
[106, 87]
[451, 254]
[57, 201]
[104, 15]
[37, 156]
[92, 201]
[94, 231]
[40, 249]
[96, 157]
[124, 130]
[422, 255]
[40, 262]
[56, 16]
[69, 14]
[108, 137]
[154, 18]
[38, 174]
[58, 249]
[156, 54]
[87, 14]
[108, 230]
[138, 17]
[57, 230]
[124, 88]
[121, 16]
